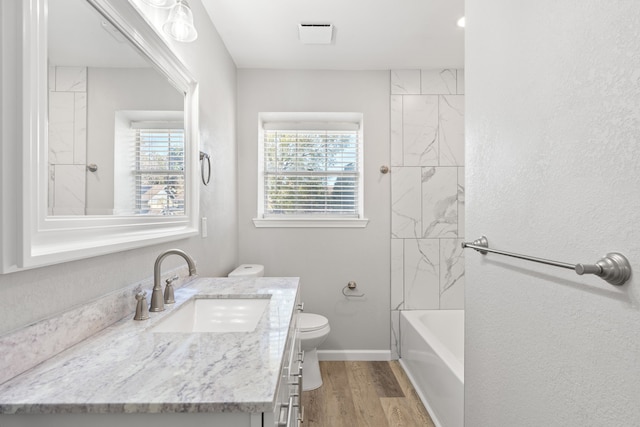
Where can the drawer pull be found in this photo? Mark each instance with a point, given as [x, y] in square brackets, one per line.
[300, 387]
[283, 419]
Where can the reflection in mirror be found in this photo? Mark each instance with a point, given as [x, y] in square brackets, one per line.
[118, 120]
[116, 139]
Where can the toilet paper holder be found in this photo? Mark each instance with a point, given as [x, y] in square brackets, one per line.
[350, 287]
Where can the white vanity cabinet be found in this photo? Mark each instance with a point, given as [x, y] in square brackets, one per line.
[288, 411]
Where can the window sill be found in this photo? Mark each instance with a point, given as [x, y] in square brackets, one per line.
[310, 223]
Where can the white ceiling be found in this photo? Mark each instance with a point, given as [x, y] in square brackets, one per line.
[368, 34]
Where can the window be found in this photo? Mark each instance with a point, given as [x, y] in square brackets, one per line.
[310, 170]
[159, 171]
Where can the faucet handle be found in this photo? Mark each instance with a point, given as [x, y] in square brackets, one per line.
[168, 291]
[142, 311]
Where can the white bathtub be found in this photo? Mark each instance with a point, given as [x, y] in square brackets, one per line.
[432, 354]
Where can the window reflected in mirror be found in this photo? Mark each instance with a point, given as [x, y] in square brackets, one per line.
[116, 139]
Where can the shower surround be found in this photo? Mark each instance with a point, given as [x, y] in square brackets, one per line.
[67, 140]
[427, 192]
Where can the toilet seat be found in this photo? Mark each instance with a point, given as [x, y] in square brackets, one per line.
[309, 322]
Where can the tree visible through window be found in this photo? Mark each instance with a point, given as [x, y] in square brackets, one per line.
[159, 172]
[311, 173]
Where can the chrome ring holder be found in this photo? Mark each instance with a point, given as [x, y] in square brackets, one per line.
[350, 287]
[205, 156]
[613, 267]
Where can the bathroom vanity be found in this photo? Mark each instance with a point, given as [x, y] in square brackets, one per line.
[135, 373]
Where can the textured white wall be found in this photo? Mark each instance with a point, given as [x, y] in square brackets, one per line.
[325, 259]
[553, 121]
[32, 295]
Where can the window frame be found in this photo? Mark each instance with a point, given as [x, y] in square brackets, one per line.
[307, 121]
[169, 131]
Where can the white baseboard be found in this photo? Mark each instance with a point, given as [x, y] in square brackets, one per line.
[355, 355]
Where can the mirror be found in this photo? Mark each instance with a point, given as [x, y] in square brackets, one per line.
[115, 122]
[35, 232]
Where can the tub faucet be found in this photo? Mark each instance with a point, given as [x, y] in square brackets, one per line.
[157, 302]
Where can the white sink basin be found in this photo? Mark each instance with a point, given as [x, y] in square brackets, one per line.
[215, 315]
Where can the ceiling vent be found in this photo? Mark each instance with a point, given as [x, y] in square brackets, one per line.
[315, 33]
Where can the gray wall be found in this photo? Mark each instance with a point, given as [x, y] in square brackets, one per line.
[552, 128]
[325, 259]
[32, 295]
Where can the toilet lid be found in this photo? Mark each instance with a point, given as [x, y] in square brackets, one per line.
[311, 322]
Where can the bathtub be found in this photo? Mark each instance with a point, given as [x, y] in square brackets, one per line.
[432, 354]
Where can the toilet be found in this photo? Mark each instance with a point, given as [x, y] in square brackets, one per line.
[248, 270]
[313, 328]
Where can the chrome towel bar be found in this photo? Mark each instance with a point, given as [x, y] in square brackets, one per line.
[613, 267]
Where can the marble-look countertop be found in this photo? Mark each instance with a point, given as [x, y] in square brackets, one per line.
[127, 369]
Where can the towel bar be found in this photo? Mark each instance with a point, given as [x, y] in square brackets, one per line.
[613, 267]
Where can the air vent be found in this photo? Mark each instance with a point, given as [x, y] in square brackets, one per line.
[315, 33]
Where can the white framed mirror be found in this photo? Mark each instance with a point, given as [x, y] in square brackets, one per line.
[81, 140]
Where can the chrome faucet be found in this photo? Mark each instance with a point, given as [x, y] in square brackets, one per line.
[157, 302]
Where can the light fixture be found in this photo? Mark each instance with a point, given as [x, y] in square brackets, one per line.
[163, 4]
[179, 25]
[461, 22]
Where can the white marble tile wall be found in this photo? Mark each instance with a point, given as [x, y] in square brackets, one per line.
[80, 128]
[451, 130]
[69, 188]
[439, 187]
[438, 81]
[405, 82]
[71, 79]
[67, 139]
[447, 81]
[420, 142]
[427, 192]
[61, 127]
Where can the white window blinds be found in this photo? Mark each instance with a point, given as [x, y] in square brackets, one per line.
[312, 173]
[159, 171]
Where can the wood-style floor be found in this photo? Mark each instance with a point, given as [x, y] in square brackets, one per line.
[359, 394]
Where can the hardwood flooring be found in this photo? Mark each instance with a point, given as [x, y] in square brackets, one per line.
[364, 394]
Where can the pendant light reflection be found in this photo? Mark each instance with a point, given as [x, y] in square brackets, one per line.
[179, 25]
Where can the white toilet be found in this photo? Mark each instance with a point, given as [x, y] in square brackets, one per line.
[248, 270]
[314, 329]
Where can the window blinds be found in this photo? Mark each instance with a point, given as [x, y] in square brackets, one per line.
[159, 171]
[311, 173]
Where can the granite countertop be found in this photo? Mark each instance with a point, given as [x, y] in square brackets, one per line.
[127, 369]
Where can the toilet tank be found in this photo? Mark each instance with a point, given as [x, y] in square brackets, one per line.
[248, 270]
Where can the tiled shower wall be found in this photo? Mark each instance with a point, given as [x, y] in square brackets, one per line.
[67, 140]
[427, 191]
